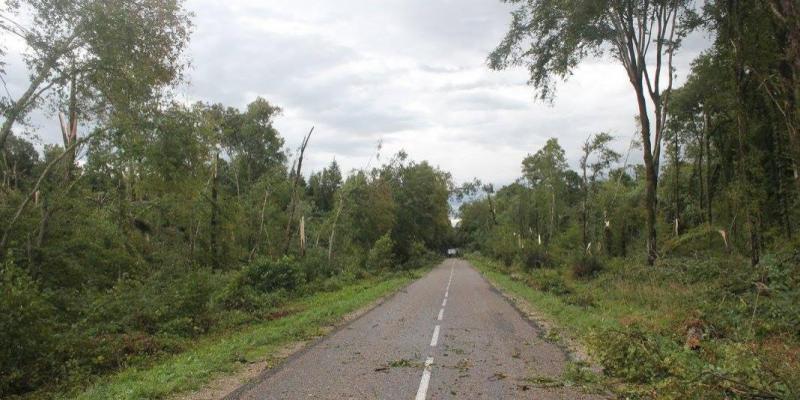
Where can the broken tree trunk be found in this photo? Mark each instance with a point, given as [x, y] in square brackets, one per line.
[287, 239]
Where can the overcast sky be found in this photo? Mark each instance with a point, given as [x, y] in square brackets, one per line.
[409, 73]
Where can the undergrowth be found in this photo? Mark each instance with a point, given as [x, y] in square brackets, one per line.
[687, 328]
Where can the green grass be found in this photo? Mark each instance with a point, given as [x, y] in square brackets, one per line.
[635, 321]
[213, 357]
[574, 319]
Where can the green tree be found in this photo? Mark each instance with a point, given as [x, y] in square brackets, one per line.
[551, 38]
[322, 186]
[546, 172]
[101, 52]
[596, 157]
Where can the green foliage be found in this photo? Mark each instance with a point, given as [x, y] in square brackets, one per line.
[266, 275]
[633, 354]
[686, 328]
[586, 266]
[173, 301]
[316, 266]
[27, 329]
[199, 364]
[535, 257]
[322, 186]
[381, 255]
[550, 281]
[422, 193]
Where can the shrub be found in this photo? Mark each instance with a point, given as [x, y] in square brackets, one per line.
[419, 255]
[663, 365]
[633, 354]
[535, 257]
[26, 329]
[175, 300]
[381, 256]
[262, 284]
[315, 265]
[268, 275]
[502, 244]
[586, 266]
[551, 282]
[240, 296]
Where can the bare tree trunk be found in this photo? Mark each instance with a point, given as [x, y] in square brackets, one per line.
[18, 107]
[333, 226]
[214, 221]
[293, 200]
[584, 213]
[707, 140]
[651, 176]
[260, 225]
[677, 187]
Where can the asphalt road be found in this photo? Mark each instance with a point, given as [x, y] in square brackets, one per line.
[447, 335]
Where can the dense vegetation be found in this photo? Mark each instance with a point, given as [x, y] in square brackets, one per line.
[157, 223]
[716, 314]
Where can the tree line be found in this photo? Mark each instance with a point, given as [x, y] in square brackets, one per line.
[720, 152]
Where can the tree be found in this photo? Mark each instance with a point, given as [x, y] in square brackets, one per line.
[551, 38]
[322, 186]
[596, 157]
[103, 52]
[421, 193]
[546, 170]
[251, 141]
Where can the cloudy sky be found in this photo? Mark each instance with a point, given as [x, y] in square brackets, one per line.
[409, 73]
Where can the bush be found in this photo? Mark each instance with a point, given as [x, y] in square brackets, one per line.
[315, 265]
[262, 284]
[27, 331]
[176, 300]
[268, 275]
[381, 256]
[586, 266]
[502, 244]
[722, 371]
[551, 282]
[535, 257]
[419, 256]
[633, 354]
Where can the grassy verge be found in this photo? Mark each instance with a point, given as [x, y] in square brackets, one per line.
[572, 318]
[216, 356]
[708, 328]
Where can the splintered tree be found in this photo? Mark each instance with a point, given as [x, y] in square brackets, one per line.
[596, 157]
[107, 52]
[551, 38]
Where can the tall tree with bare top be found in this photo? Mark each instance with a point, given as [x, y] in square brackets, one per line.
[551, 38]
[92, 54]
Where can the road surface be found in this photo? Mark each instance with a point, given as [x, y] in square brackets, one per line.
[447, 335]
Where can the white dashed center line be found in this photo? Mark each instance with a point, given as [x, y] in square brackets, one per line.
[422, 392]
[426, 379]
[435, 338]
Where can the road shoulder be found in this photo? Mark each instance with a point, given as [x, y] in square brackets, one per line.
[550, 330]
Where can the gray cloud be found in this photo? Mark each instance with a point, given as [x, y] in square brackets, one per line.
[410, 73]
